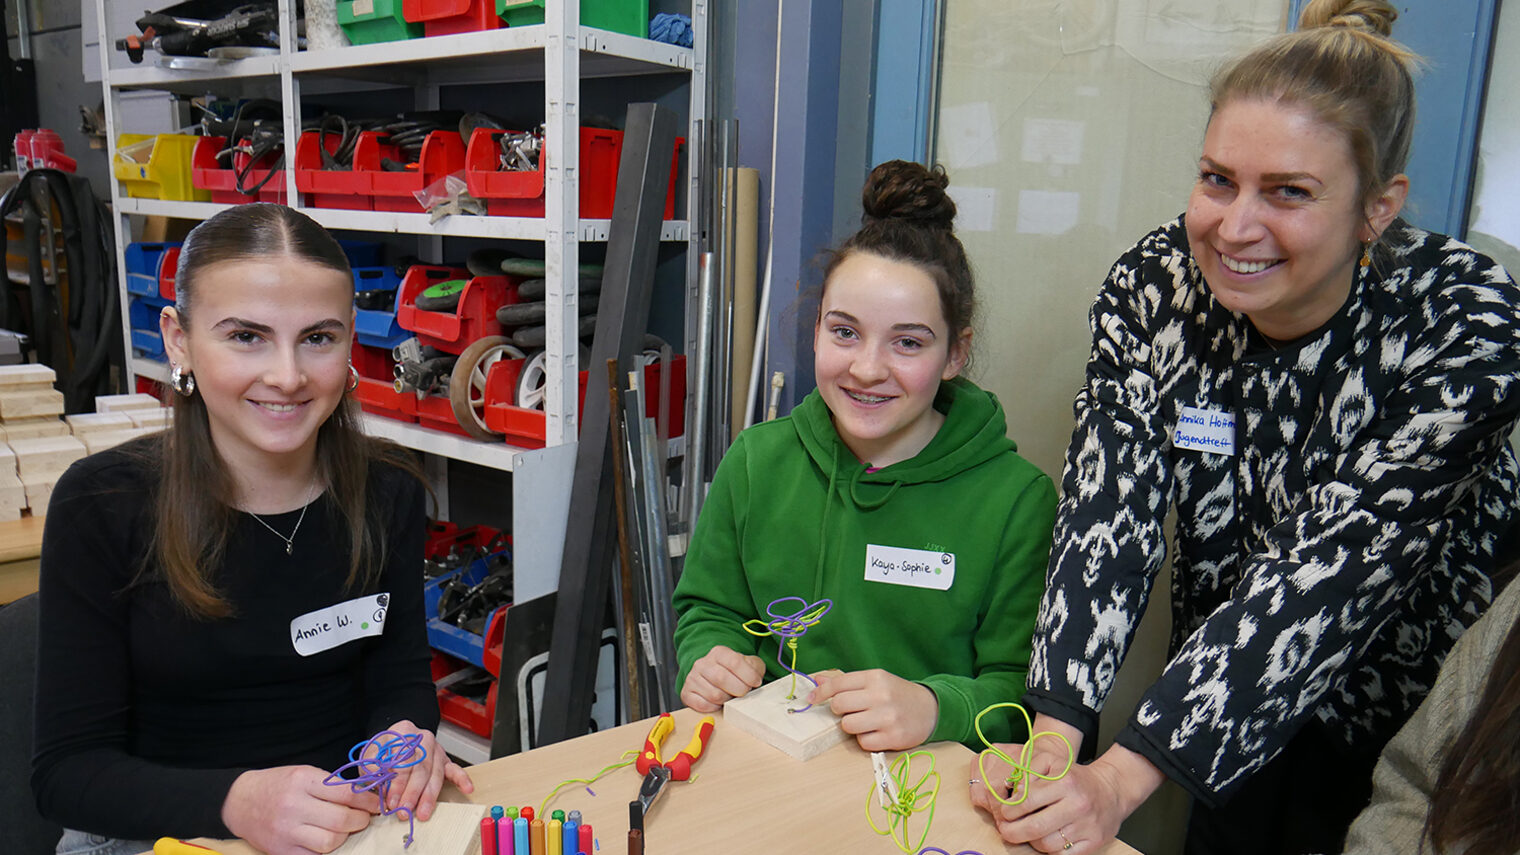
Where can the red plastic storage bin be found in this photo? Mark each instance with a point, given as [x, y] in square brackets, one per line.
[525, 427]
[376, 392]
[521, 193]
[475, 316]
[442, 155]
[348, 189]
[445, 17]
[167, 271]
[208, 173]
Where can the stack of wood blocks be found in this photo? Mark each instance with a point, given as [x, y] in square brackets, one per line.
[39, 445]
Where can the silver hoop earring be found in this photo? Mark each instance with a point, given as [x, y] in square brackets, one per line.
[353, 377]
[182, 381]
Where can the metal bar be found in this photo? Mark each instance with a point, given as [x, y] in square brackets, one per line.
[661, 582]
[625, 591]
[696, 429]
[623, 314]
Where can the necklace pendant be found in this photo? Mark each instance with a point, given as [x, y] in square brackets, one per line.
[288, 547]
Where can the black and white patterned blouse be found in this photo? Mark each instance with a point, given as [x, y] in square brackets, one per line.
[1327, 561]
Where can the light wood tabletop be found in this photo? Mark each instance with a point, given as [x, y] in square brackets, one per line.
[744, 796]
[20, 544]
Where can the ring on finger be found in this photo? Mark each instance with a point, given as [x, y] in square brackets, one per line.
[1064, 838]
[974, 781]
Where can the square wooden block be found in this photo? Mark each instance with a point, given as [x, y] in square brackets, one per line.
[117, 403]
[45, 458]
[83, 423]
[30, 403]
[765, 714]
[454, 829]
[33, 428]
[26, 376]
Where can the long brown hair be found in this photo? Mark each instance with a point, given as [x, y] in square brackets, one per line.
[194, 496]
[1342, 66]
[1476, 802]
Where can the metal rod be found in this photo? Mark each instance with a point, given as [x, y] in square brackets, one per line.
[24, 28]
[696, 439]
[662, 583]
[627, 614]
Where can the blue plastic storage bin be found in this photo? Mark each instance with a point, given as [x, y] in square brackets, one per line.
[377, 328]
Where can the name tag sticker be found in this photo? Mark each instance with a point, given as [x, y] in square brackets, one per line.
[337, 625]
[1212, 431]
[917, 568]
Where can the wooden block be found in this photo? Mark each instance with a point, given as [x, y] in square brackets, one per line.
[30, 403]
[764, 714]
[12, 491]
[454, 829]
[83, 423]
[156, 419]
[33, 428]
[38, 491]
[117, 403]
[26, 376]
[45, 457]
[102, 440]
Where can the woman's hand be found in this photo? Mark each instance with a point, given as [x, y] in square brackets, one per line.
[1076, 815]
[719, 677]
[287, 810]
[416, 787]
[883, 711]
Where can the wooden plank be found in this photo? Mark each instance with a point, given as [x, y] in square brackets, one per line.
[133, 401]
[765, 714]
[30, 403]
[83, 423]
[33, 428]
[45, 458]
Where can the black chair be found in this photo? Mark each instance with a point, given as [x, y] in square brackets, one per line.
[23, 832]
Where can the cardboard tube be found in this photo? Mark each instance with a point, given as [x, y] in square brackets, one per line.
[746, 270]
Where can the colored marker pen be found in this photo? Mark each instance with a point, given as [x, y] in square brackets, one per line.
[520, 835]
[587, 842]
[527, 813]
[554, 837]
[504, 844]
[635, 842]
[558, 814]
[487, 836]
[575, 816]
[512, 812]
[496, 812]
[569, 836]
[536, 836]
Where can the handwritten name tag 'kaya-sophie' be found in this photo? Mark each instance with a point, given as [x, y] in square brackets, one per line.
[918, 568]
[1212, 431]
[337, 625]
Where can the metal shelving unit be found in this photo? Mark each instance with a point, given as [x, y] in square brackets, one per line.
[560, 53]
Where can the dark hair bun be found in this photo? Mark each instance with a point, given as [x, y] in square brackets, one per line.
[1373, 16]
[904, 190]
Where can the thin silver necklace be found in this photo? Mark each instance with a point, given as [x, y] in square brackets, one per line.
[290, 542]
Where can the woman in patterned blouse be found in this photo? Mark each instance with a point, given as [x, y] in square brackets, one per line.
[1323, 395]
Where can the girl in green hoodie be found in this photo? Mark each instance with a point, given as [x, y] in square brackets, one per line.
[893, 491]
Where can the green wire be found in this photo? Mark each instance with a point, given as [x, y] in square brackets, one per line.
[1019, 781]
[628, 759]
[909, 801]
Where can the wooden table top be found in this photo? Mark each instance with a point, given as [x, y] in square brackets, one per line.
[20, 539]
[744, 795]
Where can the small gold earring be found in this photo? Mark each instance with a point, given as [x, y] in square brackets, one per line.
[1367, 254]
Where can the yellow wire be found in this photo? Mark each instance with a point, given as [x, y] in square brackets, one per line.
[909, 801]
[1019, 780]
[628, 759]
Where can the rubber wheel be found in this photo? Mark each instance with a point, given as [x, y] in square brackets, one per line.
[467, 383]
[531, 382]
[443, 297]
[534, 289]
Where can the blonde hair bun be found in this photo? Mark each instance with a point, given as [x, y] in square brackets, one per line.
[1372, 16]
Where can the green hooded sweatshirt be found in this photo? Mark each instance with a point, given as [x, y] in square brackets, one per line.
[935, 565]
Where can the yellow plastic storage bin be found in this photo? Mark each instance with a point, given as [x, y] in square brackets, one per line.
[157, 167]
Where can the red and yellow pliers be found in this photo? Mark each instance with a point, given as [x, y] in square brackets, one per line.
[658, 771]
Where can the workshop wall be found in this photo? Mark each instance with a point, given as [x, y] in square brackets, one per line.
[1494, 223]
[55, 47]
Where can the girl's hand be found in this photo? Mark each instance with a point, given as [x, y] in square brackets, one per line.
[719, 677]
[883, 711]
[287, 810]
[416, 787]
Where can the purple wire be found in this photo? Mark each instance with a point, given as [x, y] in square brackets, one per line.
[935, 849]
[790, 627]
[377, 772]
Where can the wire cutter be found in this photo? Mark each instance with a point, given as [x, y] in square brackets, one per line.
[656, 771]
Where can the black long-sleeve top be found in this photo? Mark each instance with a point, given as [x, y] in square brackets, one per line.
[145, 715]
[1324, 568]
